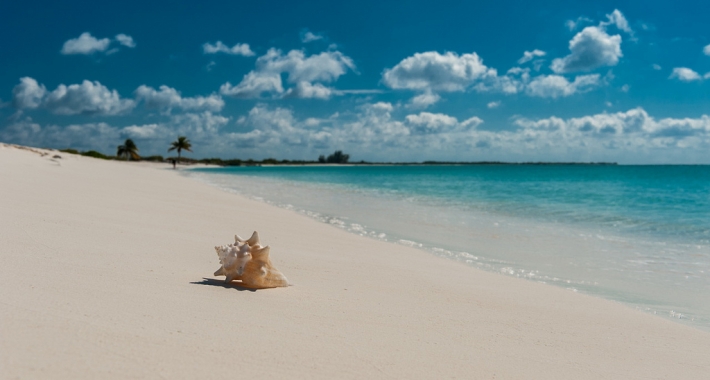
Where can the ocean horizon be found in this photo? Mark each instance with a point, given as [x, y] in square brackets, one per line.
[636, 234]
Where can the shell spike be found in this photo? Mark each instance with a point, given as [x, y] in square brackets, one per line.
[261, 251]
[254, 239]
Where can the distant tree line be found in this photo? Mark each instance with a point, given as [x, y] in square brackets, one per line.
[95, 154]
[129, 151]
[336, 158]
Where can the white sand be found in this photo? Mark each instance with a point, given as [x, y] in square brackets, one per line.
[101, 276]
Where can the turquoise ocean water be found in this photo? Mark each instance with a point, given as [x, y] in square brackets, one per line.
[634, 234]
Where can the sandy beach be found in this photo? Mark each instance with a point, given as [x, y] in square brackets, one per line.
[106, 272]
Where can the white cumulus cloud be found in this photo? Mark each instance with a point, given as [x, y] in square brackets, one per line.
[146, 131]
[471, 122]
[432, 73]
[370, 128]
[434, 123]
[85, 44]
[530, 55]
[435, 72]
[382, 106]
[203, 126]
[426, 122]
[204, 129]
[90, 98]
[301, 70]
[617, 19]
[554, 86]
[593, 47]
[28, 94]
[125, 40]
[518, 80]
[494, 104]
[219, 47]
[308, 90]
[372, 132]
[589, 49]
[326, 66]
[706, 50]
[310, 37]
[635, 124]
[685, 74]
[253, 85]
[167, 98]
[424, 100]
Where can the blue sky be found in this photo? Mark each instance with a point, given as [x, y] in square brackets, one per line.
[618, 81]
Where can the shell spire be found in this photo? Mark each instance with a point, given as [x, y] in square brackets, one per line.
[253, 240]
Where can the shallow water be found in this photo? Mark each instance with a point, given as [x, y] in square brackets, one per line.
[634, 234]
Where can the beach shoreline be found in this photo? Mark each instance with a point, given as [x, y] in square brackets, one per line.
[488, 223]
[106, 271]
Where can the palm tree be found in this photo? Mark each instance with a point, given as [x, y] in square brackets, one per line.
[128, 150]
[181, 143]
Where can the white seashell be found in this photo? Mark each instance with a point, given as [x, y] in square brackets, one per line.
[248, 261]
[233, 259]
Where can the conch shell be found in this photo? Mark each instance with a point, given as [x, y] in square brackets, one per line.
[248, 261]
